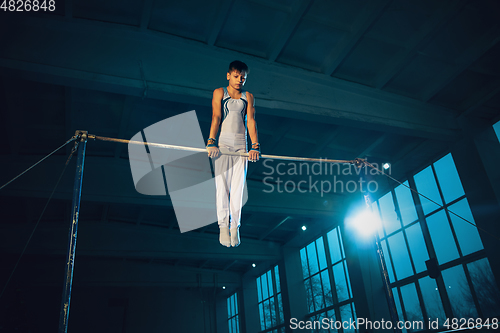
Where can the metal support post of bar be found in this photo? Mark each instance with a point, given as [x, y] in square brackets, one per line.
[385, 274]
[388, 291]
[80, 144]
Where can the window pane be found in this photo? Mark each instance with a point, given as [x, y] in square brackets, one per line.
[426, 185]
[448, 179]
[400, 256]
[325, 278]
[229, 308]
[317, 292]
[259, 290]
[313, 259]
[398, 306]
[270, 283]
[432, 300]
[458, 291]
[388, 261]
[340, 282]
[235, 300]
[321, 253]
[467, 234]
[319, 317]
[262, 318]
[267, 313]
[442, 238]
[331, 315]
[342, 253]
[333, 243]
[309, 295]
[418, 248]
[405, 203]
[388, 212]
[411, 303]
[305, 267]
[280, 309]
[348, 280]
[272, 309]
[233, 313]
[265, 293]
[346, 315]
[485, 287]
[277, 275]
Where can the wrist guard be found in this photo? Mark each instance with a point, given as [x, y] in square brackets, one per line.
[211, 142]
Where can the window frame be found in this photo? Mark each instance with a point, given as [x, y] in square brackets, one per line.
[336, 305]
[415, 278]
[280, 325]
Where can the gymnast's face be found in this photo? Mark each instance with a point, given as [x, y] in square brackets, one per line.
[237, 79]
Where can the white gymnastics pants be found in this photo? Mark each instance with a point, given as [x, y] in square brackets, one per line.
[230, 175]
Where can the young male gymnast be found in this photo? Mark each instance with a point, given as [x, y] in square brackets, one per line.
[233, 110]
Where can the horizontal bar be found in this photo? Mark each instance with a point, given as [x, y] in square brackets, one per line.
[203, 150]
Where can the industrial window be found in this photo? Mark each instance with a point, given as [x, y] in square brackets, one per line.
[232, 314]
[415, 228]
[324, 266]
[270, 302]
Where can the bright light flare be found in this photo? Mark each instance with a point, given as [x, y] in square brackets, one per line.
[366, 223]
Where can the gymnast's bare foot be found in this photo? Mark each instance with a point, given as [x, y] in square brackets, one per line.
[224, 237]
[235, 237]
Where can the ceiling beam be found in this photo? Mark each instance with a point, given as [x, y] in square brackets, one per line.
[219, 21]
[323, 142]
[273, 228]
[442, 16]
[115, 240]
[370, 13]
[229, 265]
[479, 98]
[372, 146]
[205, 262]
[147, 9]
[96, 272]
[298, 11]
[473, 53]
[68, 57]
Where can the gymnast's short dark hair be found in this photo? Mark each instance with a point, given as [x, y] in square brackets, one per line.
[240, 66]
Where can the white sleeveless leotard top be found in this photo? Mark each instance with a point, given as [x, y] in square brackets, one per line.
[233, 130]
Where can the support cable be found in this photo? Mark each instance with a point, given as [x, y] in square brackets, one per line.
[44, 208]
[31, 167]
